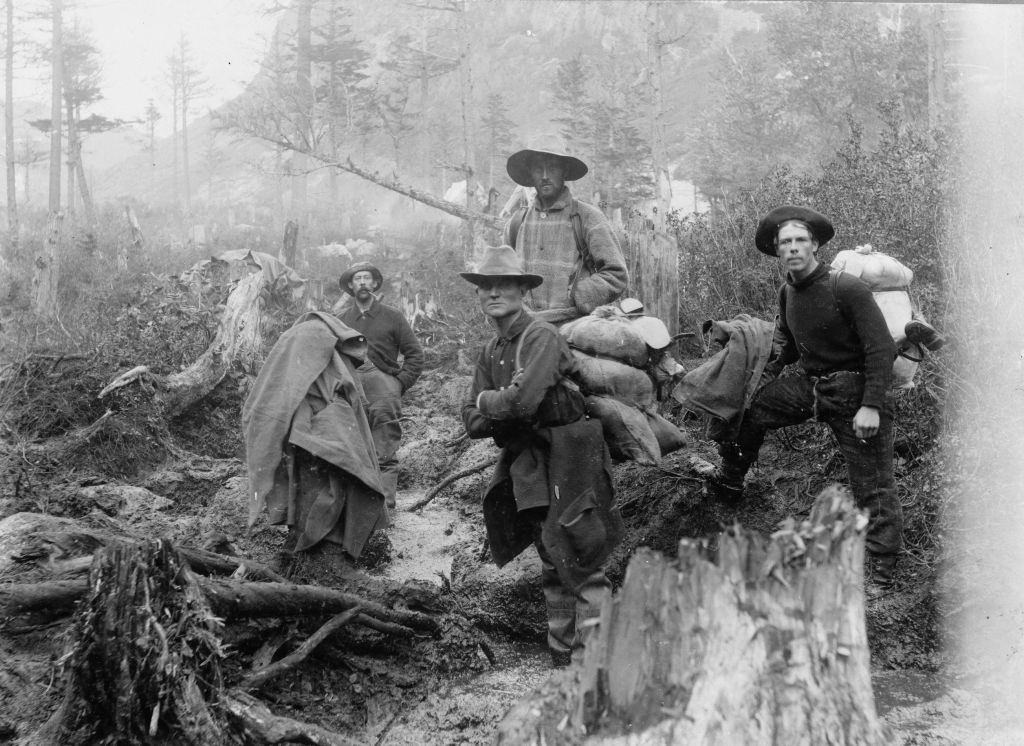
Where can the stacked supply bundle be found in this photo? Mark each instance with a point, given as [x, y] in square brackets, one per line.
[617, 369]
[888, 280]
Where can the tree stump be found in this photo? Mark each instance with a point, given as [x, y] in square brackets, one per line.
[143, 656]
[764, 643]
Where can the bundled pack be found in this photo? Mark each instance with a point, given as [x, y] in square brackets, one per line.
[879, 271]
[607, 333]
[605, 377]
[620, 361]
[635, 433]
[888, 279]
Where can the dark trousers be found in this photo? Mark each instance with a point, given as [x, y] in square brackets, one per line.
[869, 461]
[384, 412]
[569, 610]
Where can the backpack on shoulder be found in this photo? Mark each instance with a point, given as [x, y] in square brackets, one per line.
[888, 280]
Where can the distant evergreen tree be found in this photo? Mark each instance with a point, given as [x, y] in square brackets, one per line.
[598, 128]
[498, 134]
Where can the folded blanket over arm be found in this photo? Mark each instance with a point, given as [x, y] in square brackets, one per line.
[723, 386]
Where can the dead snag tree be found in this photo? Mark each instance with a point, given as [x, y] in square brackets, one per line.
[761, 643]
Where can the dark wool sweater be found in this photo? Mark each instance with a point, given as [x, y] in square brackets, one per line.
[388, 334]
[844, 331]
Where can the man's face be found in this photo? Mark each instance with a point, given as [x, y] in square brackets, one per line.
[548, 175]
[795, 248]
[362, 285]
[501, 296]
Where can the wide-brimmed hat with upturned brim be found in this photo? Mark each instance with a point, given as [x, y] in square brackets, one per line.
[519, 165]
[346, 276]
[501, 261]
[820, 226]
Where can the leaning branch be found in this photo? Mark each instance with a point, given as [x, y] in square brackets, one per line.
[433, 492]
[258, 678]
[389, 182]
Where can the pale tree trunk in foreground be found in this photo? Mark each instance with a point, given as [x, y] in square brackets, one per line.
[765, 644]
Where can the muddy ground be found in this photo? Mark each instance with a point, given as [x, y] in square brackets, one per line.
[455, 688]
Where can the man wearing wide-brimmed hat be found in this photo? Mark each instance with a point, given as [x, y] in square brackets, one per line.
[552, 485]
[567, 242]
[833, 327]
[394, 359]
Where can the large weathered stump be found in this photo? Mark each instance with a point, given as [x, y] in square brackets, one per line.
[144, 654]
[763, 642]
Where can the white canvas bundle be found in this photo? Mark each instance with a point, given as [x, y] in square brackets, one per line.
[878, 271]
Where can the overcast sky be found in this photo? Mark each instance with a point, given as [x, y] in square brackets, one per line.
[135, 38]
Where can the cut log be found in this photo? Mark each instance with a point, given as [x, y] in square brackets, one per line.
[764, 643]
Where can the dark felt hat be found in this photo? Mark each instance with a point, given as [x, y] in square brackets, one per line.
[501, 261]
[346, 276]
[518, 165]
[820, 226]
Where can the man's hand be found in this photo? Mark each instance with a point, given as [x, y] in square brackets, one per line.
[865, 422]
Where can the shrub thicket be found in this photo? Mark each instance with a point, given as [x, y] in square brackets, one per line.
[891, 197]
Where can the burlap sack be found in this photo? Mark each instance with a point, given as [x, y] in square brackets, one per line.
[611, 337]
[603, 377]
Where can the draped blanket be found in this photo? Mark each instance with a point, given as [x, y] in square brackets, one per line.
[308, 448]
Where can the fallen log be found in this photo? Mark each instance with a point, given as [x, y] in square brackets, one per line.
[763, 642]
[65, 548]
[262, 726]
[41, 603]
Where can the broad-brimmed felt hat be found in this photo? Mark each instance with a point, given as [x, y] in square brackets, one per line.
[820, 226]
[346, 276]
[518, 165]
[501, 261]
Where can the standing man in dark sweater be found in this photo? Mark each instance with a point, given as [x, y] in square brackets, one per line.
[383, 377]
[834, 328]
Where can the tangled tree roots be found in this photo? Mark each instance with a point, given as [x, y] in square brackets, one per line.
[144, 654]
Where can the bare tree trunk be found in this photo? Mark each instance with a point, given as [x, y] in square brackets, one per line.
[303, 71]
[72, 162]
[468, 125]
[175, 88]
[764, 643]
[655, 78]
[87, 203]
[184, 156]
[12, 200]
[136, 240]
[47, 267]
[290, 243]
